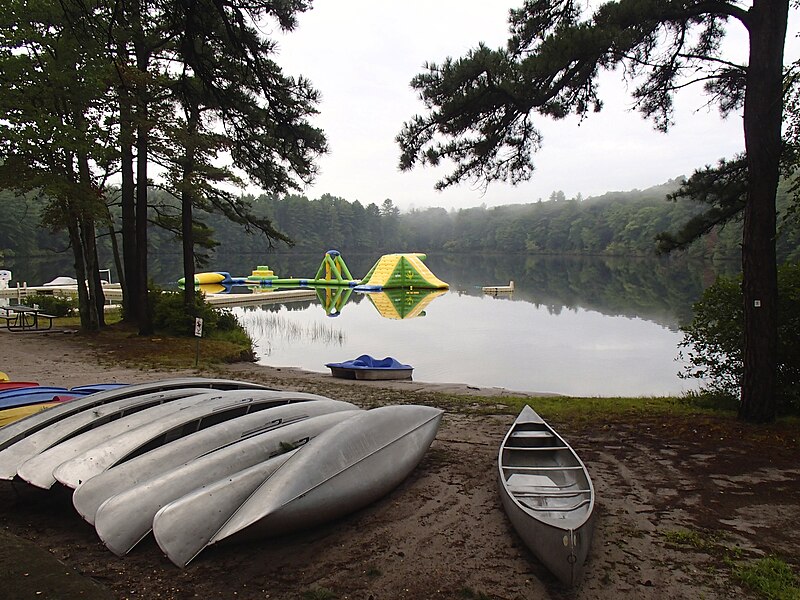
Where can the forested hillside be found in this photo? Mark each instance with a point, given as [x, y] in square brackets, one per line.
[615, 224]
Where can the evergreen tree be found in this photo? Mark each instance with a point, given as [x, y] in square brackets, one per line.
[479, 115]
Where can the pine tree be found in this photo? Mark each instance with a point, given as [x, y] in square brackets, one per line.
[480, 107]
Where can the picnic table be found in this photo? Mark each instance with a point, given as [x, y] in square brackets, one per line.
[19, 317]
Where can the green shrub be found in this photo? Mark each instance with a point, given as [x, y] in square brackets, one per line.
[170, 317]
[57, 306]
[714, 340]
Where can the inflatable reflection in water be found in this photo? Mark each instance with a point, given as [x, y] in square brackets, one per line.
[402, 303]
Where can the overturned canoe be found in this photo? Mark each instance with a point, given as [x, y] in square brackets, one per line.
[32, 395]
[24, 427]
[343, 469]
[9, 415]
[548, 495]
[210, 409]
[15, 455]
[154, 463]
[125, 518]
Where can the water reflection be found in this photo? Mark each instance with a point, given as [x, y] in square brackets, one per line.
[574, 325]
[658, 290]
[403, 303]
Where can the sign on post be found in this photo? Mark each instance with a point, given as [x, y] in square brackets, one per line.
[198, 333]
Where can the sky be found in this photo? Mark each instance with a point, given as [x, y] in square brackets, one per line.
[362, 54]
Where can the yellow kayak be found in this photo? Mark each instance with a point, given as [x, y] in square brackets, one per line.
[9, 415]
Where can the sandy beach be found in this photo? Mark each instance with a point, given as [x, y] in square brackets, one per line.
[442, 533]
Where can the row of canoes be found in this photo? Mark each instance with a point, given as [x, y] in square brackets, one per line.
[200, 461]
[196, 461]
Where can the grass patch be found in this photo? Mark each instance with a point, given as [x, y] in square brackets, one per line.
[770, 578]
[708, 542]
[120, 343]
[581, 410]
[319, 593]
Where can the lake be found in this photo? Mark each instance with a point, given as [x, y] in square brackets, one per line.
[574, 325]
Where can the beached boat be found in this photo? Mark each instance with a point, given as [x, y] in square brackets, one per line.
[548, 495]
[32, 395]
[341, 470]
[88, 497]
[9, 415]
[125, 518]
[38, 469]
[15, 455]
[160, 427]
[18, 430]
[15, 385]
[367, 367]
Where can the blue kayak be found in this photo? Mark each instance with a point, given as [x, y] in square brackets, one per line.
[25, 396]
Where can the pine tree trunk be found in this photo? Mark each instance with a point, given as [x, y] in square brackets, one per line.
[762, 132]
[187, 201]
[144, 310]
[128, 277]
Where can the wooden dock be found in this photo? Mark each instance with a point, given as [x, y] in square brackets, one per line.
[113, 295]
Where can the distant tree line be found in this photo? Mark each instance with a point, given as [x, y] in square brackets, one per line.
[614, 224]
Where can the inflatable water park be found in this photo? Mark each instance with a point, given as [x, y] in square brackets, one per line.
[405, 271]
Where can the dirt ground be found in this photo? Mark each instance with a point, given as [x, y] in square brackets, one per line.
[443, 532]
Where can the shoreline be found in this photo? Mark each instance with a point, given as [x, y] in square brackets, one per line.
[33, 358]
[442, 533]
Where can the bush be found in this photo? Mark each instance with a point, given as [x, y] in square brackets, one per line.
[170, 317]
[57, 306]
[715, 338]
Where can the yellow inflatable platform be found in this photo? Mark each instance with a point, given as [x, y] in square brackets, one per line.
[401, 271]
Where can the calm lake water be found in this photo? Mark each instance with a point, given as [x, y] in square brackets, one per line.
[576, 326]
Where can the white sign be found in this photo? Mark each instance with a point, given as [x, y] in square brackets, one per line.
[198, 327]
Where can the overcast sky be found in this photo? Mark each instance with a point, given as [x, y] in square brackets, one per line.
[362, 54]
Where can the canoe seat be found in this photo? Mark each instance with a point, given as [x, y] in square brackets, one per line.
[541, 468]
[560, 493]
[538, 448]
[567, 508]
[531, 435]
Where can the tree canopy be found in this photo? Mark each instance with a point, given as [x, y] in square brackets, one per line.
[92, 90]
[480, 108]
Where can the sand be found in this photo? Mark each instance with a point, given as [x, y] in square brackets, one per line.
[442, 533]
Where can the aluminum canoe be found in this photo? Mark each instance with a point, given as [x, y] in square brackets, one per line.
[88, 497]
[343, 469]
[124, 519]
[210, 409]
[15, 455]
[184, 527]
[14, 432]
[38, 469]
[548, 495]
[155, 463]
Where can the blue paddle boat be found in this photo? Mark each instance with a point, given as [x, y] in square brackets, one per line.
[367, 367]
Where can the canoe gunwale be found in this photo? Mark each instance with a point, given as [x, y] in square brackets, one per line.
[561, 541]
